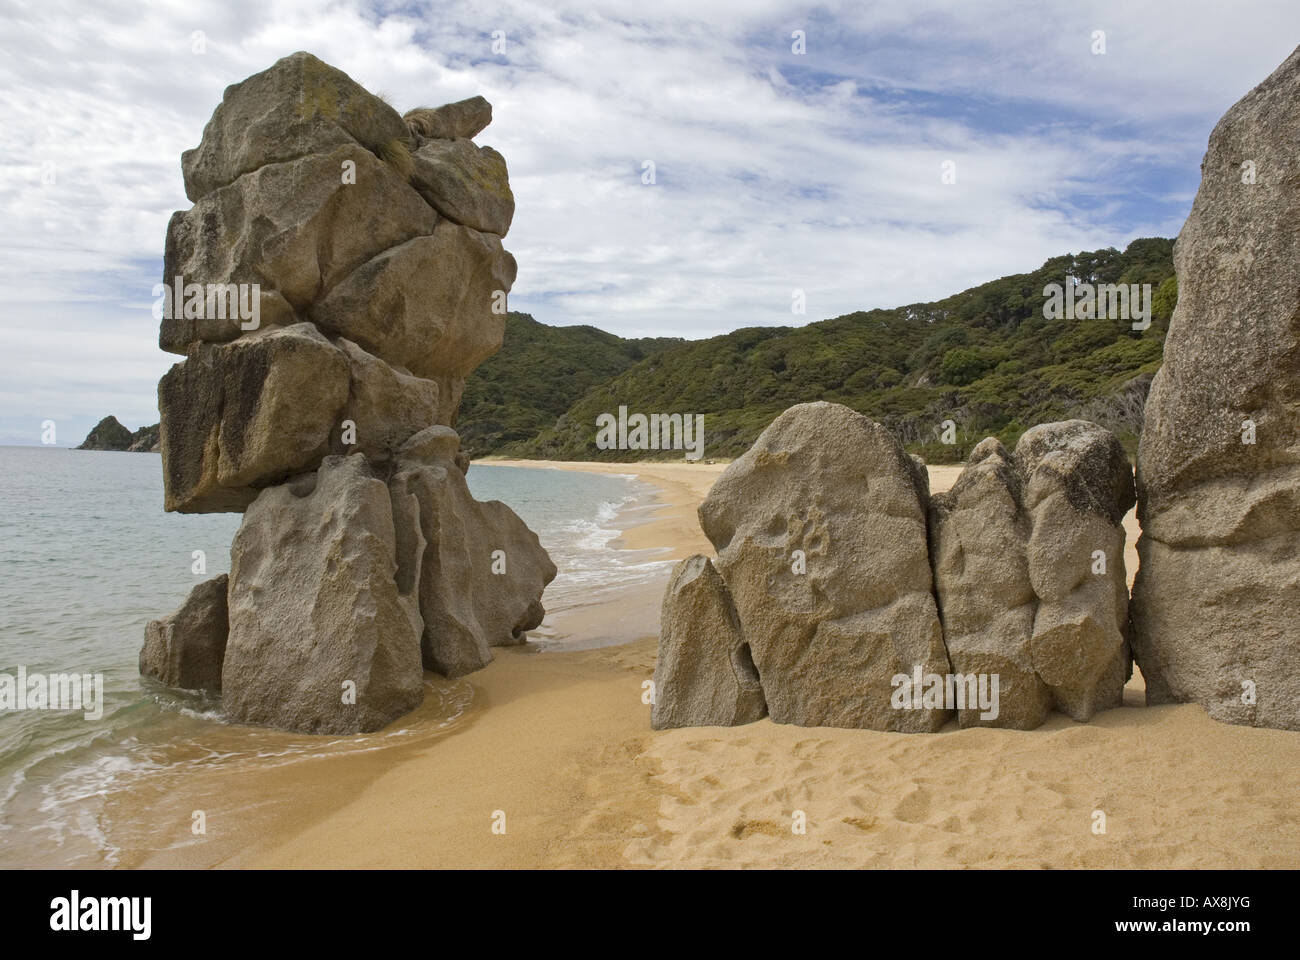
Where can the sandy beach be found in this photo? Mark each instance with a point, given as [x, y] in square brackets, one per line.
[556, 747]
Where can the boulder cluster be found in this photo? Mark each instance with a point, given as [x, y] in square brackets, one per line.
[838, 574]
[370, 245]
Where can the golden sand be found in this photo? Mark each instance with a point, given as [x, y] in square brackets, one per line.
[560, 743]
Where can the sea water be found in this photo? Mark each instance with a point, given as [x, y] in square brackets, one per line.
[87, 557]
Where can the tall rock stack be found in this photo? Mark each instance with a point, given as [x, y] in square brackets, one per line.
[364, 249]
[1216, 603]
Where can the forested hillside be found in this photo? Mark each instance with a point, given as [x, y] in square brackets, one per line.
[985, 358]
[539, 372]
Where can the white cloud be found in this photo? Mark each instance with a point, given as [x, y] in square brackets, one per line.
[774, 171]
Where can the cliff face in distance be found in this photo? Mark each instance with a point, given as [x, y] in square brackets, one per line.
[109, 434]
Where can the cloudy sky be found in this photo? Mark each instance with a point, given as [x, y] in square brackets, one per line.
[774, 170]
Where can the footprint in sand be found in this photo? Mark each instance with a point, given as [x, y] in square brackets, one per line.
[862, 823]
[914, 807]
[747, 828]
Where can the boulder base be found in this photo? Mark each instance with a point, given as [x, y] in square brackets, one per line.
[322, 637]
[820, 530]
[186, 649]
[705, 675]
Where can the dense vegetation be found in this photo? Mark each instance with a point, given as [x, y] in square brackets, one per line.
[985, 358]
[538, 374]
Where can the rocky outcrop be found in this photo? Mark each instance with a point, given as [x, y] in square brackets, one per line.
[109, 434]
[310, 212]
[186, 649]
[705, 675]
[1028, 553]
[866, 602]
[147, 440]
[820, 531]
[330, 292]
[1218, 585]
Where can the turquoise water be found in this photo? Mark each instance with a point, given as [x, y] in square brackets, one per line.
[88, 557]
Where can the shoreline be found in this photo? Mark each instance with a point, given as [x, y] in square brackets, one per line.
[673, 524]
[561, 744]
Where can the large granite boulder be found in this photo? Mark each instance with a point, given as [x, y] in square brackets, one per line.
[704, 675]
[295, 228]
[323, 639]
[1218, 586]
[299, 105]
[240, 416]
[186, 649]
[426, 304]
[1077, 484]
[483, 571]
[1028, 553]
[465, 183]
[834, 624]
[328, 419]
[452, 121]
[979, 535]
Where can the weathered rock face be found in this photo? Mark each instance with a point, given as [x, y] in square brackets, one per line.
[240, 416]
[1218, 586]
[482, 572]
[294, 228]
[462, 119]
[1029, 571]
[839, 489]
[322, 637]
[979, 538]
[329, 312]
[468, 184]
[186, 649]
[409, 305]
[705, 675]
[1077, 485]
[300, 105]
